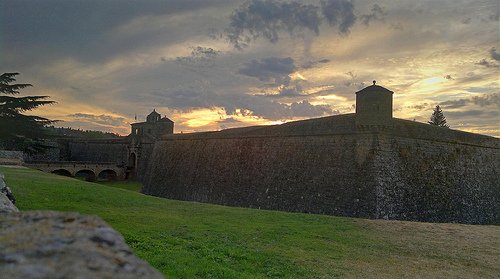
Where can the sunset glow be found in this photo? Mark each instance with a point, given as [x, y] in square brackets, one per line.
[195, 63]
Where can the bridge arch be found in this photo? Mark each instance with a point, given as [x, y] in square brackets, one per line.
[83, 170]
[107, 175]
[63, 172]
[86, 174]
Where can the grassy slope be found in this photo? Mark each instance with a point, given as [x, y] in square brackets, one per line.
[127, 185]
[188, 240]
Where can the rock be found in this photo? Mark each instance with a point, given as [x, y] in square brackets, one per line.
[6, 190]
[7, 199]
[49, 244]
[6, 206]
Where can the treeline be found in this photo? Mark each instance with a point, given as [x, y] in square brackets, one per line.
[78, 133]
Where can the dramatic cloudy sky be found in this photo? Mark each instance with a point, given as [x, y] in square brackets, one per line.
[214, 64]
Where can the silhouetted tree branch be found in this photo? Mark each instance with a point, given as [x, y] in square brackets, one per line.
[19, 131]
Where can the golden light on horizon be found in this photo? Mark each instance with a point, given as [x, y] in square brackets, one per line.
[186, 64]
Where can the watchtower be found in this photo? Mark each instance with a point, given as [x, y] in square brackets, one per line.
[142, 139]
[155, 126]
[153, 117]
[373, 106]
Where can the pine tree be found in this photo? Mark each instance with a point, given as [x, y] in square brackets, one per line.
[437, 118]
[19, 131]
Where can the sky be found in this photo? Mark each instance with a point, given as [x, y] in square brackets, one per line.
[216, 64]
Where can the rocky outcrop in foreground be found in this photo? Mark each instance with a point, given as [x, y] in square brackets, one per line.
[7, 199]
[6, 206]
[48, 244]
[62, 245]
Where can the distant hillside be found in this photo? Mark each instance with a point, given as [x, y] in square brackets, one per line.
[77, 133]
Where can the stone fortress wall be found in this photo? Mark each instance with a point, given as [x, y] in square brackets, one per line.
[131, 153]
[348, 165]
[143, 160]
[437, 181]
[281, 173]
[337, 165]
[116, 151]
[8, 157]
[106, 151]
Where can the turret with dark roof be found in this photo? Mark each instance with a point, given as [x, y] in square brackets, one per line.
[374, 106]
[153, 117]
[154, 127]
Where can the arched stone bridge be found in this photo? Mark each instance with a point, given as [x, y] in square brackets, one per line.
[91, 171]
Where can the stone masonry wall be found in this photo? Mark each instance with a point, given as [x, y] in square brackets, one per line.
[362, 174]
[143, 160]
[112, 151]
[8, 157]
[437, 181]
[320, 174]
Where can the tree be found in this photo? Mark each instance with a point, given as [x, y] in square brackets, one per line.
[19, 131]
[438, 119]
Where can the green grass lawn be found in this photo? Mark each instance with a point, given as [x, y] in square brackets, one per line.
[194, 240]
[127, 185]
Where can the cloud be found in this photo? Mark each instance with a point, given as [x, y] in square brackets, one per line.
[102, 119]
[454, 103]
[287, 92]
[278, 71]
[86, 53]
[466, 20]
[482, 101]
[494, 55]
[187, 99]
[471, 113]
[487, 64]
[495, 16]
[229, 123]
[270, 109]
[493, 99]
[354, 81]
[235, 104]
[339, 13]
[200, 57]
[290, 92]
[423, 106]
[272, 69]
[396, 26]
[306, 109]
[377, 14]
[277, 111]
[310, 64]
[269, 18]
[90, 30]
